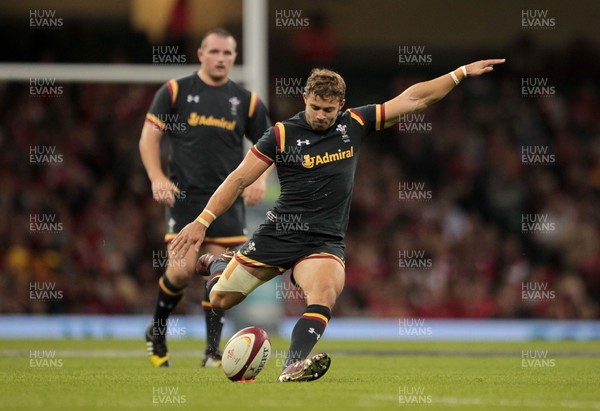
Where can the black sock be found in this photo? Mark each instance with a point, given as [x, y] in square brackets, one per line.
[168, 297]
[214, 318]
[217, 267]
[214, 269]
[214, 325]
[307, 331]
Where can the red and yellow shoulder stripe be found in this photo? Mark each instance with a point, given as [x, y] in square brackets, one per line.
[254, 101]
[279, 130]
[173, 90]
[152, 119]
[357, 116]
[261, 155]
[379, 116]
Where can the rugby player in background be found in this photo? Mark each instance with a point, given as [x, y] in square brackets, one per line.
[206, 116]
[315, 153]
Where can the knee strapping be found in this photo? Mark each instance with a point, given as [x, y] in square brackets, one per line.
[236, 278]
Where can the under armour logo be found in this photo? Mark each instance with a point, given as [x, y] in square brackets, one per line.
[195, 99]
[300, 142]
[271, 216]
[312, 331]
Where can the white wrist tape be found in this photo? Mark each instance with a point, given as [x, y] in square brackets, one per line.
[456, 80]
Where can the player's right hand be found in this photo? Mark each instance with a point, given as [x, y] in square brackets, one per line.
[482, 66]
[255, 192]
[192, 234]
[163, 191]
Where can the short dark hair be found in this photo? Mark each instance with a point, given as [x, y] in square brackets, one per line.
[325, 83]
[221, 32]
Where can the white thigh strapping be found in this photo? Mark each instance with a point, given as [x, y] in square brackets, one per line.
[236, 278]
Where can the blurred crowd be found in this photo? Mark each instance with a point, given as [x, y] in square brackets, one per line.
[461, 248]
[81, 220]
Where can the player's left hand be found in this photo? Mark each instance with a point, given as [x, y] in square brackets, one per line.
[482, 66]
[192, 234]
[255, 192]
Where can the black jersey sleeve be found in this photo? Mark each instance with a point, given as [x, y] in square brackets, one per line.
[266, 147]
[163, 103]
[370, 117]
[258, 119]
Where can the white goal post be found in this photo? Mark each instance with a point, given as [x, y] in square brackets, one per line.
[102, 73]
[253, 74]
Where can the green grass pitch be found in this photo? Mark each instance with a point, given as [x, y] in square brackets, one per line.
[115, 375]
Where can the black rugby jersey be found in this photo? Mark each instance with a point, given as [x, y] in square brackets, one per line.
[316, 169]
[206, 125]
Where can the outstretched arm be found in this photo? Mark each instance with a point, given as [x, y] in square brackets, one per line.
[422, 95]
[245, 174]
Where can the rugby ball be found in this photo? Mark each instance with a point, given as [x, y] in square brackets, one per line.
[246, 354]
